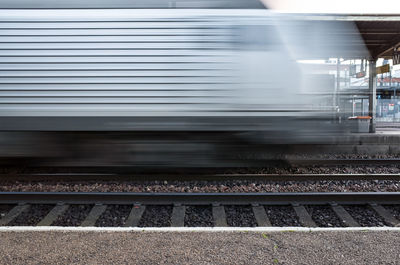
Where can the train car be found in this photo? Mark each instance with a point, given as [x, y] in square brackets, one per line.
[149, 83]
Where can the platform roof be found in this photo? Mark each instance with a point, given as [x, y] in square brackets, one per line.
[380, 33]
[380, 36]
[334, 7]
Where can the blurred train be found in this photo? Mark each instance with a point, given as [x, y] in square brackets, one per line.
[156, 83]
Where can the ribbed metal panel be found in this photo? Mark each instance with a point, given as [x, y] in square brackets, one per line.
[101, 4]
[137, 65]
[108, 69]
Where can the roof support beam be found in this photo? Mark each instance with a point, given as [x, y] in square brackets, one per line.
[389, 48]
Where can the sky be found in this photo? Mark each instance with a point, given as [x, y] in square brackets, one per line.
[336, 6]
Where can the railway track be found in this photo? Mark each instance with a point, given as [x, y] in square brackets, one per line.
[184, 174]
[345, 162]
[199, 209]
[194, 177]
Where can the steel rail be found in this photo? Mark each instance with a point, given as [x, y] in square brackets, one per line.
[197, 177]
[346, 162]
[309, 176]
[199, 198]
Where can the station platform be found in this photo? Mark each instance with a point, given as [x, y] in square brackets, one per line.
[388, 130]
[385, 141]
[200, 247]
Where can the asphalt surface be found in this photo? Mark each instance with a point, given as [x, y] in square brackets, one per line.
[200, 248]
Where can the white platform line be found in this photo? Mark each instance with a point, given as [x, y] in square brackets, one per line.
[192, 229]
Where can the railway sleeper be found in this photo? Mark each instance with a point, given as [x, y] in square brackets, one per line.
[213, 215]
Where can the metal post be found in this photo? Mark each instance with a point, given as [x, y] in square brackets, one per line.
[396, 108]
[362, 107]
[337, 88]
[372, 95]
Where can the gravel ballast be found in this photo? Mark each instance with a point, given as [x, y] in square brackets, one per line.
[156, 216]
[228, 185]
[282, 215]
[365, 216]
[324, 216]
[204, 186]
[198, 216]
[74, 215]
[33, 215]
[240, 216]
[114, 215]
[394, 209]
[202, 216]
[5, 208]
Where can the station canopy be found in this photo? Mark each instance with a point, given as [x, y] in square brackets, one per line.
[380, 33]
[377, 22]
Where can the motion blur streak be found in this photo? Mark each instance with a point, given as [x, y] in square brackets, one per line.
[162, 86]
